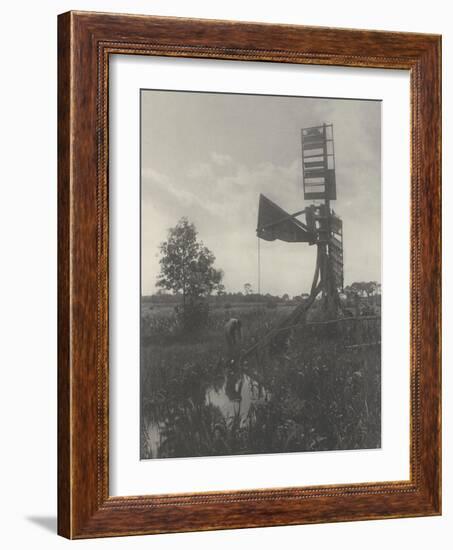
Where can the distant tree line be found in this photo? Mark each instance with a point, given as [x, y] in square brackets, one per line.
[359, 289]
[161, 297]
[363, 289]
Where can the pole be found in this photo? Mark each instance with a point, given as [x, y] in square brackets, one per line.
[259, 267]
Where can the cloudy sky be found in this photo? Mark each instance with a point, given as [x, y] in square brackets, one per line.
[209, 156]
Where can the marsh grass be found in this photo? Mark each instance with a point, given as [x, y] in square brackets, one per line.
[319, 395]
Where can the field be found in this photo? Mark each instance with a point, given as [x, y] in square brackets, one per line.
[320, 390]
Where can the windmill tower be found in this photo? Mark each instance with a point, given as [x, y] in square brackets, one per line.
[322, 227]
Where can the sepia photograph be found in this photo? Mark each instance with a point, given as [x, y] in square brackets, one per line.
[260, 307]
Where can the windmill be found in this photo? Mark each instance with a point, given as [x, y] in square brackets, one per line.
[315, 225]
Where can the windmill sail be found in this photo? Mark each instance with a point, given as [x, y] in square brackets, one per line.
[318, 162]
[275, 223]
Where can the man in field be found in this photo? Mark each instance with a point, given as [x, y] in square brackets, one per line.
[233, 333]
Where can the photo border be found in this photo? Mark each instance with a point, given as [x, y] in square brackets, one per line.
[85, 41]
[129, 476]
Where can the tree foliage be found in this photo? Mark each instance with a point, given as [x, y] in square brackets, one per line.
[248, 289]
[362, 288]
[187, 267]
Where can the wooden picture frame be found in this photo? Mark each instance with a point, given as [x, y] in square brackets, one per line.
[85, 42]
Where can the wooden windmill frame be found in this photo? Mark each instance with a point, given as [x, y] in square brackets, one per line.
[86, 43]
[322, 228]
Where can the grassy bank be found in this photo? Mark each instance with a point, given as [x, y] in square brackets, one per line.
[318, 394]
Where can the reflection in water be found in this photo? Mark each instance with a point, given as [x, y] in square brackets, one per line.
[236, 395]
[153, 438]
[232, 396]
